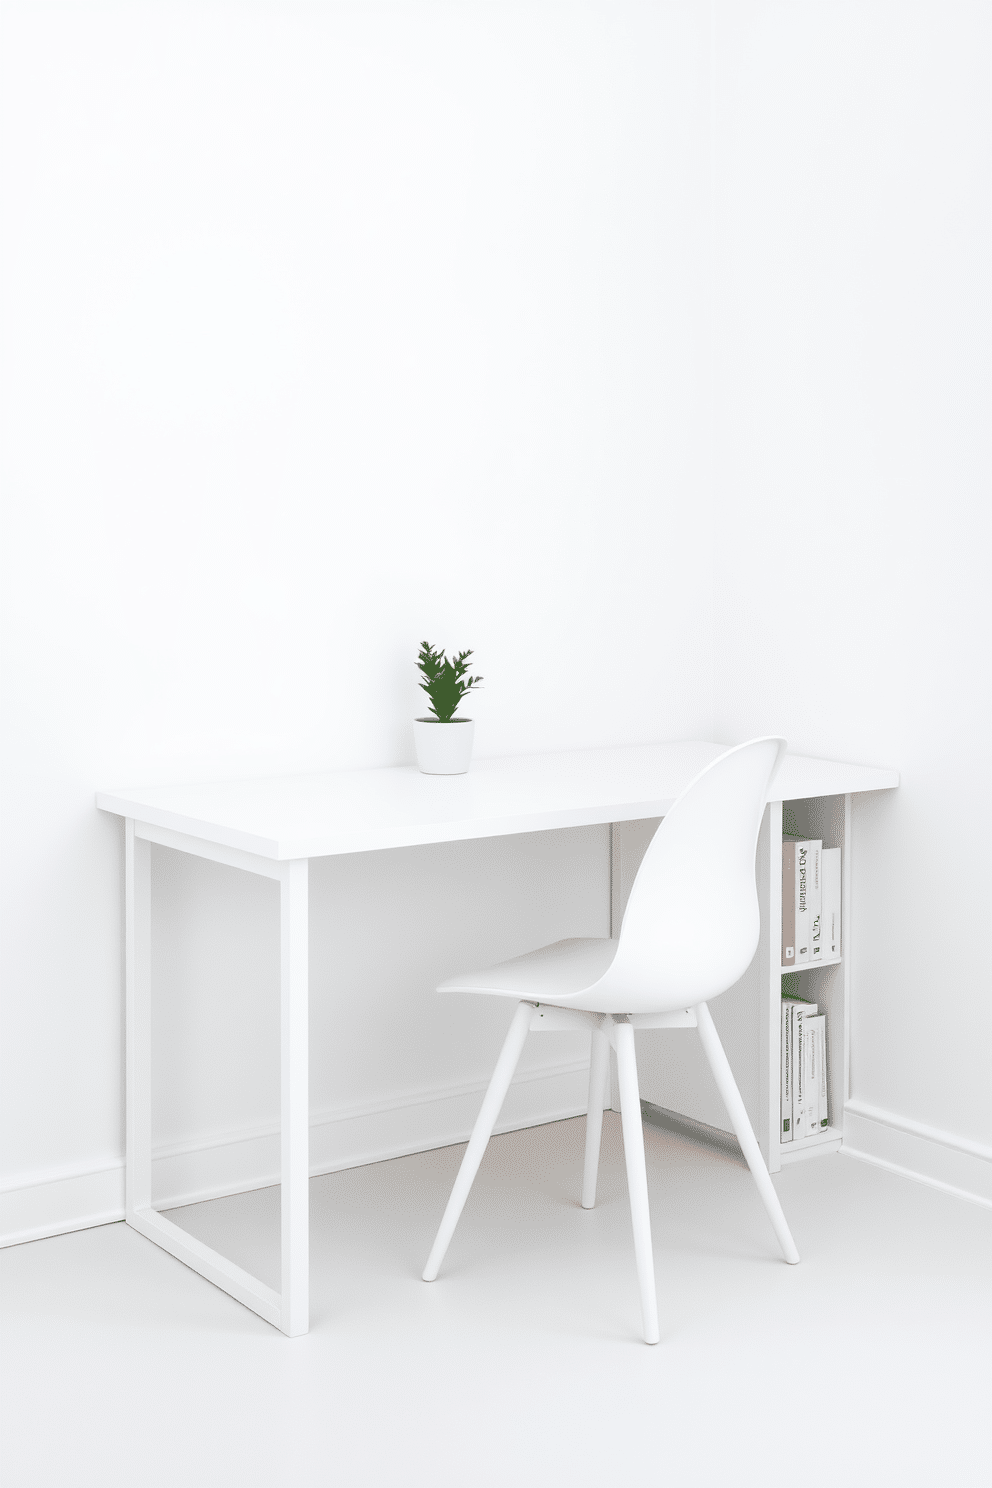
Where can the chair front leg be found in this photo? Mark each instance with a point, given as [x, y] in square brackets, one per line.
[637, 1178]
[599, 1064]
[481, 1132]
[727, 1086]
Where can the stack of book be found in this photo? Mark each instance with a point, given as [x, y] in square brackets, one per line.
[804, 1069]
[810, 903]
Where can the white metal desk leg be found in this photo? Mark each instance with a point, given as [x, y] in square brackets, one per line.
[295, 1099]
[138, 1057]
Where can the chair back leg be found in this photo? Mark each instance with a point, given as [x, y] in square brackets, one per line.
[637, 1178]
[599, 1065]
[727, 1086]
[481, 1132]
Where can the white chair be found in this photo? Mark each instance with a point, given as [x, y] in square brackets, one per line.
[689, 932]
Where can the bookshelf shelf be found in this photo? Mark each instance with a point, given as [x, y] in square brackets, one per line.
[813, 966]
[815, 1146]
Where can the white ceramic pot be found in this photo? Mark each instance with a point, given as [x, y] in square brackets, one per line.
[443, 748]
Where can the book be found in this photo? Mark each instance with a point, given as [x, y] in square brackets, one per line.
[804, 1102]
[815, 1032]
[785, 1133]
[822, 1067]
[814, 895]
[790, 1109]
[788, 903]
[806, 896]
[830, 902]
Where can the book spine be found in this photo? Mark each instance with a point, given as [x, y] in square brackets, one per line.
[824, 1112]
[816, 1105]
[795, 1053]
[817, 940]
[830, 877]
[802, 1116]
[802, 906]
[786, 1132]
[788, 905]
[812, 1112]
[813, 1108]
[805, 898]
[807, 1120]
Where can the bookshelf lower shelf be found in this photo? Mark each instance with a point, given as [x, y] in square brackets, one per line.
[824, 1141]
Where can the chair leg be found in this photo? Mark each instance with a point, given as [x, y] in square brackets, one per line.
[727, 1086]
[481, 1132]
[637, 1178]
[599, 1064]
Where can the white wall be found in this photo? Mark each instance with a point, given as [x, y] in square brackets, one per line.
[853, 246]
[328, 328]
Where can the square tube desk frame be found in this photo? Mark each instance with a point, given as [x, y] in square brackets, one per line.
[289, 1308]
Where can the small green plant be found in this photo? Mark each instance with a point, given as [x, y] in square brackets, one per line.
[445, 682]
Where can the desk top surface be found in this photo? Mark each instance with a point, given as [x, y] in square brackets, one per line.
[343, 811]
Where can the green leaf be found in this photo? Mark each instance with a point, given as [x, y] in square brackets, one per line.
[444, 681]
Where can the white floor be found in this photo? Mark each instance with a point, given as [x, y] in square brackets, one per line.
[867, 1364]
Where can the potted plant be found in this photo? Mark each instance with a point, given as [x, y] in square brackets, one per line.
[444, 742]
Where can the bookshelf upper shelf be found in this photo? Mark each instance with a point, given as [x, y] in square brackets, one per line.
[812, 965]
[801, 777]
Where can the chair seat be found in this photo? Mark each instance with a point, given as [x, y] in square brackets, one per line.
[556, 974]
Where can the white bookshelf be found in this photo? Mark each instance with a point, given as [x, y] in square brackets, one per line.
[826, 984]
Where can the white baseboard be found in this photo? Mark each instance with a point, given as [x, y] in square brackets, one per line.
[55, 1202]
[941, 1159]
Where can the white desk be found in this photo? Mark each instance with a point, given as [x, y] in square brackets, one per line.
[275, 826]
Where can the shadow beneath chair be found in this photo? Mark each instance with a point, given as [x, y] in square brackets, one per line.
[697, 1131]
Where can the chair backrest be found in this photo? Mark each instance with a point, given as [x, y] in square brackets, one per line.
[692, 920]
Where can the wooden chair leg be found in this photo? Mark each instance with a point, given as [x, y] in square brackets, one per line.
[637, 1178]
[481, 1132]
[727, 1086]
[599, 1064]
